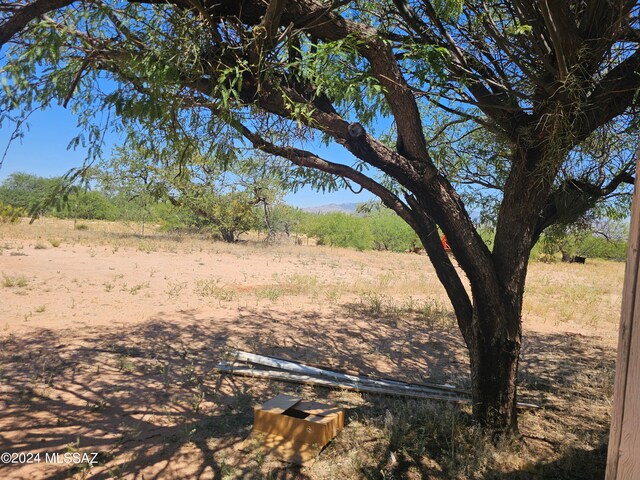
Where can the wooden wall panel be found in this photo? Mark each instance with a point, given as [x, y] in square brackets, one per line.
[623, 460]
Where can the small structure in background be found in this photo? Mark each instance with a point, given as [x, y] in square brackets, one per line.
[294, 430]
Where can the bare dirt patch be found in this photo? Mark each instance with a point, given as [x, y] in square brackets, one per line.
[107, 343]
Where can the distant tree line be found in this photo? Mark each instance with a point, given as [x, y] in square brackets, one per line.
[228, 215]
[225, 215]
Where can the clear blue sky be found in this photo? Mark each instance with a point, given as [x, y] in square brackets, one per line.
[43, 151]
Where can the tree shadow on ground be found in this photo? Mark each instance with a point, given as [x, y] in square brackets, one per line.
[146, 397]
[574, 464]
[569, 376]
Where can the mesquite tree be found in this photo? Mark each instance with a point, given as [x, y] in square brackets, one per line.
[539, 78]
[218, 198]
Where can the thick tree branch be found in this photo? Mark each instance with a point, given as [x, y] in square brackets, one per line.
[446, 272]
[22, 16]
[331, 27]
[563, 32]
[580, 196]
[304, 158]
[614, 94]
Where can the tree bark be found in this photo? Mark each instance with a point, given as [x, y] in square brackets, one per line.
[228, 235]
[494, 360]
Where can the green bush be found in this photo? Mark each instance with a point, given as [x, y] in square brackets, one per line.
[380, 229]
[9, 214]
[390, 232]
[583, 244]
[287, 219]
[599, 247]
[339, 230]
[92, 205]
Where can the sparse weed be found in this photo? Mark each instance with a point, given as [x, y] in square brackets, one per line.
[147, 247]
[374, 303]
[433, 313]
[212, 288]
[136, 288]
[188, 431]
[295, 284]
[385, 280]
[125, 364]
[298, 284]
[19, 281]
[196, 400]
[55, 242]
[98, 407]
[73, 447]
[228, 472]
[333, 293]
[270, 292]
[175, 288]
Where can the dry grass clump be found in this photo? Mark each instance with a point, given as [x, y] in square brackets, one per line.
[398, 438]
[411, 439]
[11, 281]
[429, 313]
[214, 288]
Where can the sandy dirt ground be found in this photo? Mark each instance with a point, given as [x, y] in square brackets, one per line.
[107, 343]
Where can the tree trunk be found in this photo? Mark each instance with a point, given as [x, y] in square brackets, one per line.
[489, 319]
[494, 351]
[228, 235]
[490, 325]
[494, 368]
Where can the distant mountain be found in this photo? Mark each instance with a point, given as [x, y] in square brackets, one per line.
[333, 207]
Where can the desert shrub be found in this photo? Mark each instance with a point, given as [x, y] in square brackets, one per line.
[584, 244]
[339, 230]
[10, 214]
[89, 205]
[379, 229]
[177, 220]
[231, 215]
[600, 247]
[287, 219]
[224, 216]
[10, 281]
[390, 232]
